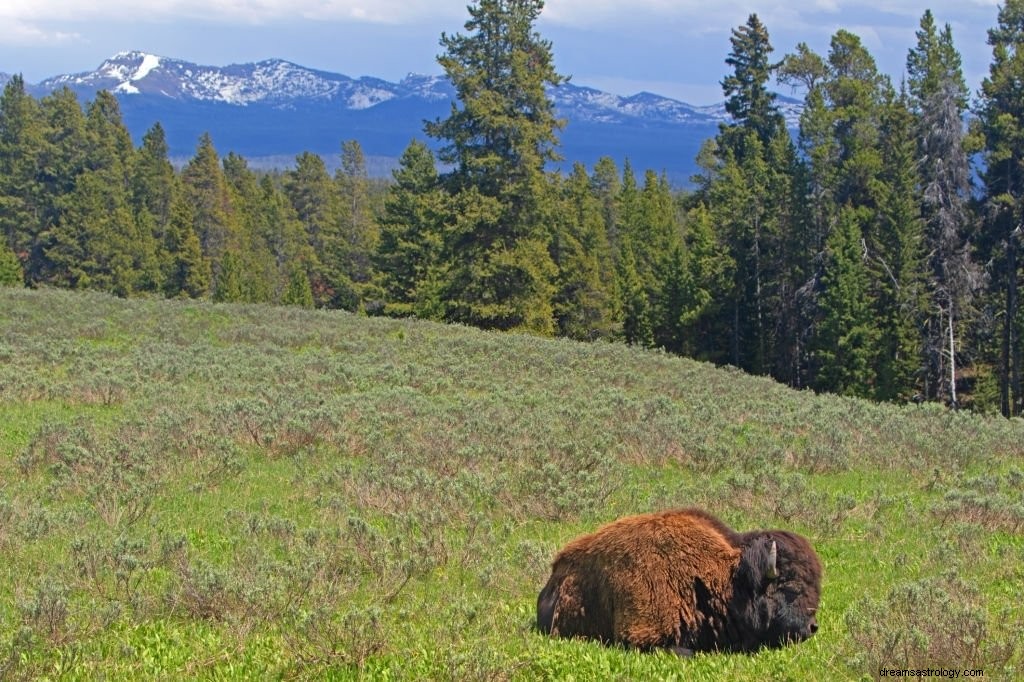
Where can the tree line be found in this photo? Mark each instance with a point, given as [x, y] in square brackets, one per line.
[873, 253]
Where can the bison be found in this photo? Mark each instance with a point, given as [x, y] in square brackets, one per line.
[683, 581]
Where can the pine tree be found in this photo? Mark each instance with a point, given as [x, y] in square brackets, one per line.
[358, 231]
[408, 258]
[584, 301]
[22, 196]
[498, 142]
[1001, 120]
[215, 222]
[749, 187]
[298, 291]
[896, 246]
[282, 236]
[187, 272]
[637, 326]
[261, 280]
[606, 184]
[96, 241]
[317, 204]
[846, 337]
[153, 187]
[939, 98]
[10, 268]
[748, 99]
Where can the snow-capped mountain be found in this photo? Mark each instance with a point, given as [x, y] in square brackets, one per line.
[272, 81]
[311, 110]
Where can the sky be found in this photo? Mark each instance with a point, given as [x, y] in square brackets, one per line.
[675, 48]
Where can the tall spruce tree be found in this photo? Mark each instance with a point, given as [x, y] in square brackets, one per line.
[317, 203]
[939, 97]
[22, 195]
[585, 299]
[154, 184]
[358, 231]
[408, 258]
[498, 138]
[215, 222]
[750, 180]
[1001, 120]
[96, 242]
[846, 337]
[898, 260]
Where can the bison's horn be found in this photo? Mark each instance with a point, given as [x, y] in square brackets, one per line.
[773, 560]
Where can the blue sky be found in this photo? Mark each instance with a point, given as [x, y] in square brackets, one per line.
[672, 47]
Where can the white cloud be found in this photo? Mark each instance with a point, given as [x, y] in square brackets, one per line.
[16, 32]
[690, 15]
[243, 11]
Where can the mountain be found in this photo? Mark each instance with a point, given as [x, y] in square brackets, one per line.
[273, 110]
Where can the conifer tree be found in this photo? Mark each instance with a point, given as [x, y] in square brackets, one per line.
[846, 336]
[1001, 120]
[897, 249]
[187, 272]
[22, 197]
[317, 204]
[408, 258]
[96, 241]
[752, 189]
[584, 301]
[606, 184]
[10, 268]
[498, 137]
[152, 190]
[206, 190]
[358, 233]
[260, 279]
[939, 97]
[282, 237]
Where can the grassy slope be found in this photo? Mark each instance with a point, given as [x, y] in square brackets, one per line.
[246, 492]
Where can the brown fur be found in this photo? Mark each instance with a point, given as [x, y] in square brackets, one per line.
[673, 579]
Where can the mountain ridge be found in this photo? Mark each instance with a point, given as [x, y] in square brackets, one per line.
[313, 110]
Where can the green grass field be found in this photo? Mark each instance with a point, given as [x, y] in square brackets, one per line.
[244, 492]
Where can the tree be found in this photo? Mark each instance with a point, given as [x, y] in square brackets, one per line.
[498, 138]
[186, 271]
[748, 99]
[358, 232]
[846, 337]
[584, 301]
[896, 247]
[153, 188]
[22, 196]
[207, 191]
[1001, 120]
[408, 258]
[939, 97]
[314, 197]
[95, 241]
[10, 268]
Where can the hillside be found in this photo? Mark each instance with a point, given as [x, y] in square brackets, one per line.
[241, 492]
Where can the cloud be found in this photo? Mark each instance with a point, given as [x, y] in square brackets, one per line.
[19, 33]
[241, 11]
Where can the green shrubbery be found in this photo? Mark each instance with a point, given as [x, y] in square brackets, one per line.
[246, 492]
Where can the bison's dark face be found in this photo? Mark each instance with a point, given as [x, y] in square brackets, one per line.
[776, 590]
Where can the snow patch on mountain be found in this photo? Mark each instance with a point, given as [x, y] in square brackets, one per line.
[285, 85]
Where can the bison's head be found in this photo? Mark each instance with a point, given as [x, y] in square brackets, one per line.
[776, 590]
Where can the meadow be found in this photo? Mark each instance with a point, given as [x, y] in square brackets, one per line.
[224, 492]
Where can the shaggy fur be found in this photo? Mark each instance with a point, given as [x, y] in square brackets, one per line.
[684, 581]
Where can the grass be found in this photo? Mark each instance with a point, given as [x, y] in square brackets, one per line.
[247, 492]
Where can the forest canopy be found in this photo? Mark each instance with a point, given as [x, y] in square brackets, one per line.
[872, 253]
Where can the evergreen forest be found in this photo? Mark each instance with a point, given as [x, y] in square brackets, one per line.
[872, 253]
